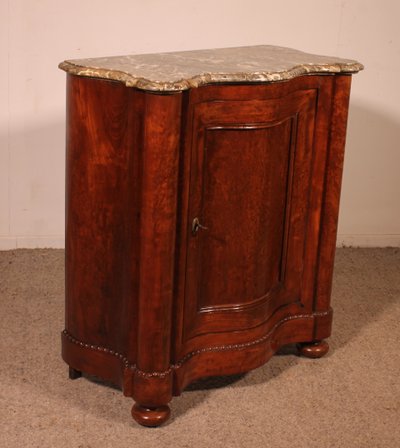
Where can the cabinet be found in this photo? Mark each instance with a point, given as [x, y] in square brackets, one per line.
[201, 214]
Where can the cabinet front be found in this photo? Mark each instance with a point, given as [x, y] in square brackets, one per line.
[249, 169]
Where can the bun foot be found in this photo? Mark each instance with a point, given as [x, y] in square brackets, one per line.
[150, 416]
[315, 349]
[74, 374]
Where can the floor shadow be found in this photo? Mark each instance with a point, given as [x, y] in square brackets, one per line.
[97, 380]
[214, 382]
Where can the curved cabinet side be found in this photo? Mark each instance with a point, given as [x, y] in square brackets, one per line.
[332, 188]
[101, 220]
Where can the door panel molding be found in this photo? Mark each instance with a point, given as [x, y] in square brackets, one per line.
[251, 117]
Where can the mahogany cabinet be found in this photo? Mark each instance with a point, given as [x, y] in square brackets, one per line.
[201, 214]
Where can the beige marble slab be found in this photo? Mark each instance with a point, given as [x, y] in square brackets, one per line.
[187, 69]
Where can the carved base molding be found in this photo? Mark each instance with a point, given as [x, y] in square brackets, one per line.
[219, 348]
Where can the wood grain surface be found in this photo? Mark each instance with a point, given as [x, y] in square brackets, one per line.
[200, 229]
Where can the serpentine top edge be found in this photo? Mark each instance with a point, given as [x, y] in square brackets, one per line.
[178, 71]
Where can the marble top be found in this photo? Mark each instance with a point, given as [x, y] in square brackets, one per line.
[168, 72]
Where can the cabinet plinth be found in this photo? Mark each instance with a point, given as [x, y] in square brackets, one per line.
[200, 229]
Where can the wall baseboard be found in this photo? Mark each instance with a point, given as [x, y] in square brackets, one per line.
[57, 241]
[32, 242]
[368, 240]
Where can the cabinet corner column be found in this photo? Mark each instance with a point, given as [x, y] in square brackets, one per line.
[330, 208]
[159, 168]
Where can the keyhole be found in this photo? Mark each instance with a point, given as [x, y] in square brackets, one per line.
[196, 226]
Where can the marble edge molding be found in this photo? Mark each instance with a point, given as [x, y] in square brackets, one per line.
[141, 83]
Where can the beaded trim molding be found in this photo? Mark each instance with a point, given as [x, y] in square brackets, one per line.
[172, 367]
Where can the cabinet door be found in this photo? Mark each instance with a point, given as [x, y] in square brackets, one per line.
[250, 173]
